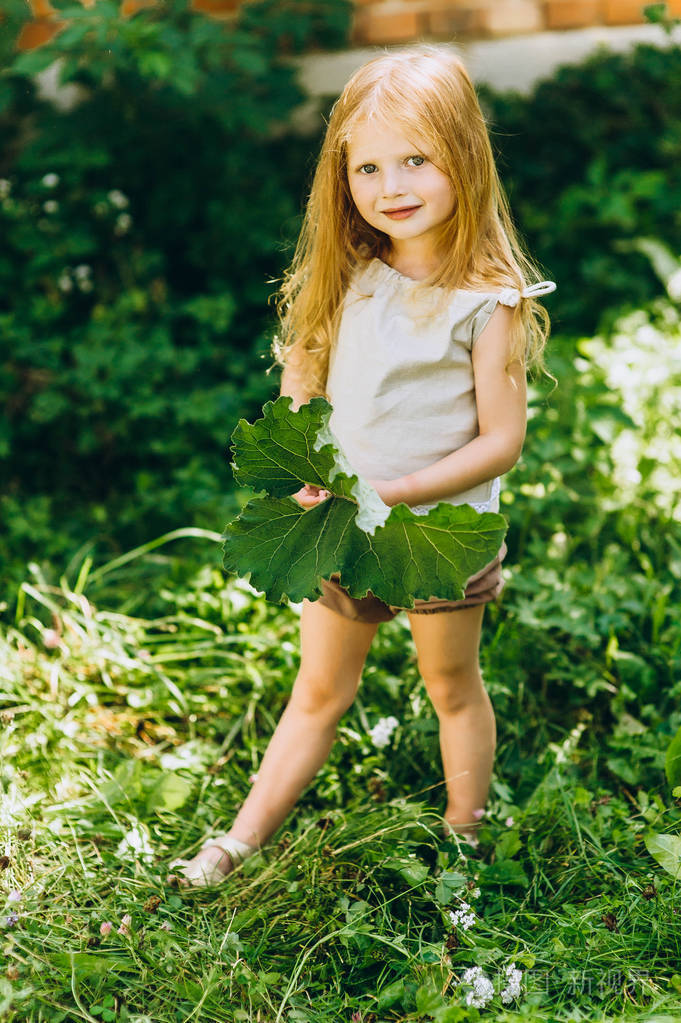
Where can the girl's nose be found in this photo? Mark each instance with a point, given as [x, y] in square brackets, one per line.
[392, 184]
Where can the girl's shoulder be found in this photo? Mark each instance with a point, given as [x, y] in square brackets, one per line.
[375, 275]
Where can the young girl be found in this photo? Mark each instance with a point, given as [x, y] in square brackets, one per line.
[407, 305]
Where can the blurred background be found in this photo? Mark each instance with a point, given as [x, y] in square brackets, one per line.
[154, 164]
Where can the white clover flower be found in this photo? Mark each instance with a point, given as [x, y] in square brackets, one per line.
[483, 989]
[382, 730]
[50, 180]
[5, 188]
[123, 222]
[117, 199]
[513, 979]
[65, 283]
[51, 206]
[463, 916]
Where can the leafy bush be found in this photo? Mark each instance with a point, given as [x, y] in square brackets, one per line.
[591, 159]
[140, 228]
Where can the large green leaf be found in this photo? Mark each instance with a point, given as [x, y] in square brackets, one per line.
[666, 849]
[286, 550]
[285, 449]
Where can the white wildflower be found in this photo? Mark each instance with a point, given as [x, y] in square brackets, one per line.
[136, 843]
[50, 180]
[66, 788]
[67, 727]
[82, 274]
[509, 822]
[118, 199]
[482, 987]
[474, 893]
[35, 740]
[463, 916]
[123, 222]
[51, 206]
[513, 979]
[382, 730]
[65, 283]
[5, 188]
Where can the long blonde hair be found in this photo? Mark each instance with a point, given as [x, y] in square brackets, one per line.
[425, 90]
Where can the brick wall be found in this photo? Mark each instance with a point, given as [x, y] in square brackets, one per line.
[379, 22]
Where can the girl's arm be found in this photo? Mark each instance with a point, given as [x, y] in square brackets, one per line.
[501, 398]
[291, 385]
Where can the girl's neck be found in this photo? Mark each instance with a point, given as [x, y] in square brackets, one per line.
[413, 260]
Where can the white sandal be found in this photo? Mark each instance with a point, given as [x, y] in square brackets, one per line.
[204, 875]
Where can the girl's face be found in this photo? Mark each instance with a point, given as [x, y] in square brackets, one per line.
[396, 187]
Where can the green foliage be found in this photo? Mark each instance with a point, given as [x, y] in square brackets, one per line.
[140, 227]
[128, 732]
[592, 159]
[286, 550]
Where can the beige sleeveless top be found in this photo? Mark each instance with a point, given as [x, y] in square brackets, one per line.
[401, 376]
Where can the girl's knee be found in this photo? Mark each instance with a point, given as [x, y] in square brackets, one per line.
[321, 696]
[454, 689]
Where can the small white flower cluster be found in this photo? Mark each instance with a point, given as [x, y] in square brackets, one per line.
[5, 188]
[482, 988]
[464, 916]
[382, 730]
[50, 180]
[512, 989]
[81, 274]
[118, 199]
[123, 223]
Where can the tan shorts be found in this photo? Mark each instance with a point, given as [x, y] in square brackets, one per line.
[481, 588]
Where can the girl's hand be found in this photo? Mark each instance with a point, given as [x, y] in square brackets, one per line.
[309, 495]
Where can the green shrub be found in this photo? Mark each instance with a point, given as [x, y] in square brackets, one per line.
[591, 159]
[140, 229]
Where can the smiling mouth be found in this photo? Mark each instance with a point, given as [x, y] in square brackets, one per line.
[401, 211]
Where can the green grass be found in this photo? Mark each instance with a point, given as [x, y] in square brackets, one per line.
[117, 725]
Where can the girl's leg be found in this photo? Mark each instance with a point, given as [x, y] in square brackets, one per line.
[332, 654]
[447, 644]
